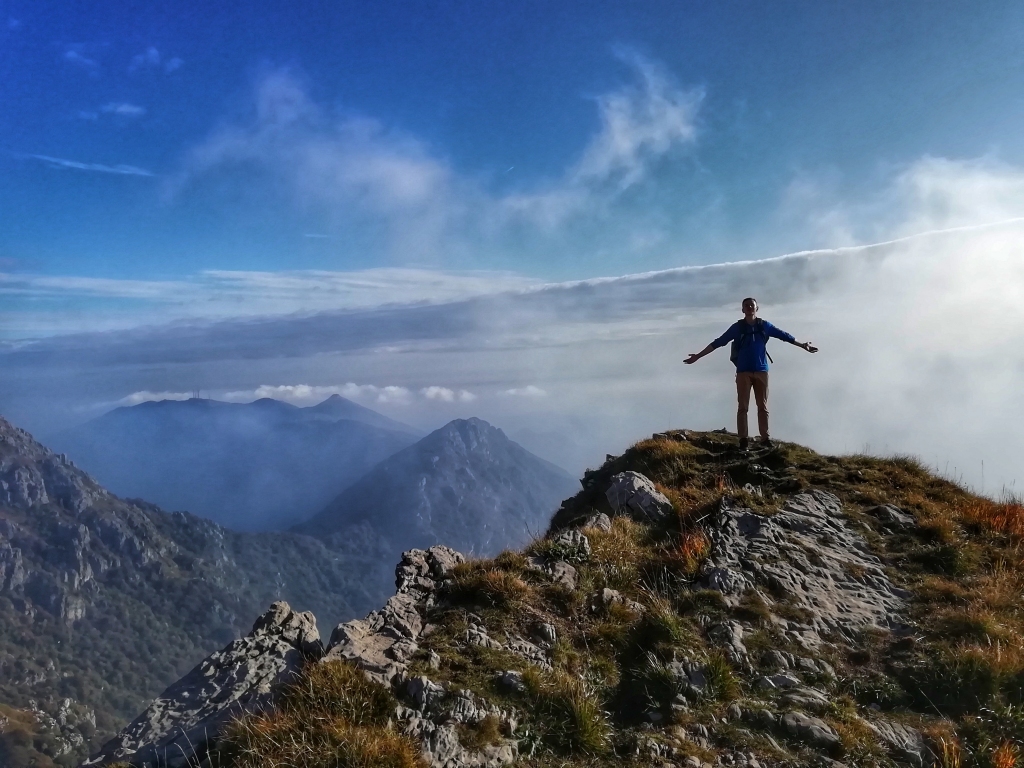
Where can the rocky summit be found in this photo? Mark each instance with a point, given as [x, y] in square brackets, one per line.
[693, 605]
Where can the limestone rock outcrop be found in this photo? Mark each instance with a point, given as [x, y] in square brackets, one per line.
[238, 679]
[808, 556]
[633, 494]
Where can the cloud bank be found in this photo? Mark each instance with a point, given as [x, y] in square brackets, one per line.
[917, 335]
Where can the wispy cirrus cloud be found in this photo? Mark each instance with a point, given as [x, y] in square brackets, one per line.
[76, 56]
[121, 303]
[123, 109]
[355, 166]
[151, 59]
[120, 169]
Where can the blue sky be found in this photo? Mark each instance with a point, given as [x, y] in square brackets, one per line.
[408, 204]
[505, 98]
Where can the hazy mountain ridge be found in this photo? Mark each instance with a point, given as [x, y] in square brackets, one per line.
[263, 465]
[466, 485]
[105, 601]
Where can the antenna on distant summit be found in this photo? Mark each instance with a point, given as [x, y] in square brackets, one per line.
[195, 394]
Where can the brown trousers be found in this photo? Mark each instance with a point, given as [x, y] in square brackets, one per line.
[758, 381]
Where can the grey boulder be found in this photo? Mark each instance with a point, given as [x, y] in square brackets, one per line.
[634, 495]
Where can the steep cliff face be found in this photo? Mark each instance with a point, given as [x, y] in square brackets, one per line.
[104, 602]
[693, 605]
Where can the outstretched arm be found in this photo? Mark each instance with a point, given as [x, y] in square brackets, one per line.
[780, 334]
[694, 357]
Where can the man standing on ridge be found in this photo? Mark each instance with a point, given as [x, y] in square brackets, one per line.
[750, 356]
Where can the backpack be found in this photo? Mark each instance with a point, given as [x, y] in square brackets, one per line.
[747, 331]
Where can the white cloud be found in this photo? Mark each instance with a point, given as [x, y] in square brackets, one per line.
[528, 391]
[356, 169]
[641, 124]
[306, 394]
[145, 396]
[122, 170]
[172, 64]
[13, 24]
[446, 395]
[148, 58]
[438, 393]
[123, 109]
[75, 57]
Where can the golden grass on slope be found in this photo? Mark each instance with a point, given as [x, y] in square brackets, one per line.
[332, 716]
[1006, 517]
[285, 740]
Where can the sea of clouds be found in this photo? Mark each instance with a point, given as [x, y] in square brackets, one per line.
[916, 313]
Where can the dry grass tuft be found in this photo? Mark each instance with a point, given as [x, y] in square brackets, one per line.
[279, 739]
[1006, 518]
[332, 715]
[1005, 755]
[490, 587]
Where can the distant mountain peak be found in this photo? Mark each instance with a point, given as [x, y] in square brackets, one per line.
[465, 484]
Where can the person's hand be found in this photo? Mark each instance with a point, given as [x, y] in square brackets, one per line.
[693, 358]
[809, 347]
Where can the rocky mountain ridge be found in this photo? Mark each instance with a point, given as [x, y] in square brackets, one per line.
[693, 605]
[103, 601]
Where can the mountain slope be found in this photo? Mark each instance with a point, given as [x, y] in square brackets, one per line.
[257, 466]
[693, 605]
[466, 485]
[104, 601]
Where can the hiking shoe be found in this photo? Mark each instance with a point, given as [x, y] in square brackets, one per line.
[744, 443]
[767, 443]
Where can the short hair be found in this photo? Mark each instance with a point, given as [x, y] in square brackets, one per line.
[750, 298]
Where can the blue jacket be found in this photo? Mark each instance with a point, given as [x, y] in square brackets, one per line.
[751, 356]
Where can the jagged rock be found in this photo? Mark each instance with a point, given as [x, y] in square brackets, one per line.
[599, 521]
[240, 678]
[421, 570]
[806, 698]
[807, 556]
[608, 597]
[512, 680]
[634, 495]
[776, 659]
[383, 643]
[559, 571]
[477, 635]
[690, 677]
[815, 732]
[778, 681]
[730, 636]
[425, 694]
[906, 743]
[892, 516]
[528, 651]
[571, 545]
[441, 747]
[546, 633]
